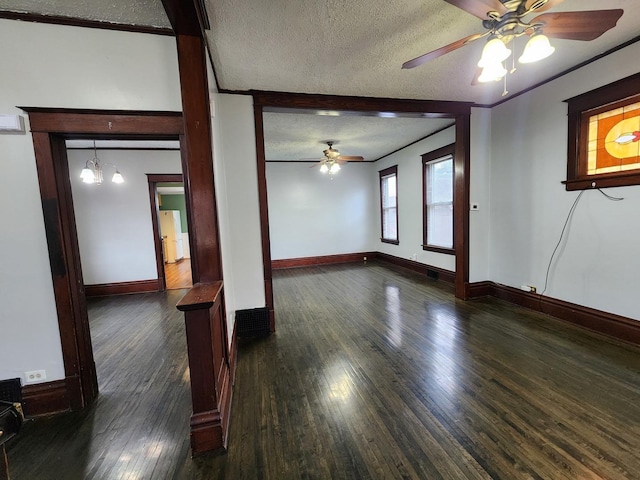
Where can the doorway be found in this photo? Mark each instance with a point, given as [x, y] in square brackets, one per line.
[171, 230]
[50, 129]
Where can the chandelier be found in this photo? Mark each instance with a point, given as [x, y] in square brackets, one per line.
[92, 171]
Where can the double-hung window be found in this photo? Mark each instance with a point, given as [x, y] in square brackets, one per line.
[389, 204]
[437, 178]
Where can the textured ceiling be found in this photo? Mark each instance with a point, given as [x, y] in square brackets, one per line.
[357, 47]
[289, 136]
[148, 13]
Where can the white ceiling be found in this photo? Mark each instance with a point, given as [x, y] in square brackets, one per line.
[351, 47]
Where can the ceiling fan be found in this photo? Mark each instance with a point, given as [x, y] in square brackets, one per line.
[504, 21]
[332, 160]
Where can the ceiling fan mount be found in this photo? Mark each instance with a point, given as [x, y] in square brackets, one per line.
[504, 20]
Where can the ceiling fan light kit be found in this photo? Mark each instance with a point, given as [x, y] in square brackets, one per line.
[330, 163]
[504, 20]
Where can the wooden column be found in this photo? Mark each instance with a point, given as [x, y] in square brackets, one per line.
[203, 305]
[204, 313]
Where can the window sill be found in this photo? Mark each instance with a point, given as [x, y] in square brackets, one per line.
[388, 240]
[603, 181]
[432, 248]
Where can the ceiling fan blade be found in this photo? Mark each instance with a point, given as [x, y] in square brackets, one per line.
[475, 81]
[578, 25]
[442, 50]
[479, 8]
[543, 6]
[351, 158]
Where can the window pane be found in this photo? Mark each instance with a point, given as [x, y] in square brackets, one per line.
[440, 181]
[440, 226]
[389, 199]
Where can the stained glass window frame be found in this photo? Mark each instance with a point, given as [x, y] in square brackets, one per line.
[580, 162]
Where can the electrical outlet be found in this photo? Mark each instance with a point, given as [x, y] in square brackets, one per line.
[528, 288]
[364, 259]
[35, 376]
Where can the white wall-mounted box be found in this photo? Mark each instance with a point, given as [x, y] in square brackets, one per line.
[11, 124]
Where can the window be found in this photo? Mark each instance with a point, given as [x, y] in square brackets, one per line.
[389, 204]
[437, 194]
[604, 136]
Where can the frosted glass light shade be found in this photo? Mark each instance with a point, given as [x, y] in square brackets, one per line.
[117, 177]
[324, 168]
[335, 168]
[87, 175]
[495, 51]
[492, 73]
[537, 48]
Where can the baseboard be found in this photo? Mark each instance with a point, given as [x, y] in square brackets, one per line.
[321, 260]
[617, 326]
[429, 270]
[122, 288]
[233, 355]
[45, 398]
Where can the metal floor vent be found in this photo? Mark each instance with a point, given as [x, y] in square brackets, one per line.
[252, 322]
[11, 390]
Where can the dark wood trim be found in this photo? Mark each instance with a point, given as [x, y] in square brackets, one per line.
[617, 326]
[387, 172]
[153, 179]
[419, 140]
[123, 288]
[198, 171]
[428, 108]
[109, 124]
[321, 260]
[233, 356]
[50, 127]
[45, 398]
[480, 289]
[81, 22]
[264, 214]
[209, 368]
[461, 182]
[446, 276]
[563, 73]
[184, 17]
[446, 151]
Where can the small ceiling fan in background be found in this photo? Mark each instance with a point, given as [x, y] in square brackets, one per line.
[332, 159]
[504, 21]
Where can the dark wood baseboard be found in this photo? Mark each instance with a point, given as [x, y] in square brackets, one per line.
[122, 288]
[429, 270]
[45, 398]
[322, 260]
[617, 326]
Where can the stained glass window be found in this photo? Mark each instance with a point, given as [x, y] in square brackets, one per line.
[614, 140]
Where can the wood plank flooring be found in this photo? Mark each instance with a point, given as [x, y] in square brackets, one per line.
[374, 372]
[178, 275]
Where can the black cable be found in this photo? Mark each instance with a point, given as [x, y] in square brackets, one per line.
[614, 199]
[566, 222]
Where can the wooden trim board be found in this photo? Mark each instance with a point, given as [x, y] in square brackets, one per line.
[122, 288]
[45, 398]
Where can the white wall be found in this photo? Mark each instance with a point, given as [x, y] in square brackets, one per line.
[312, 214]
[598, 267]
[410, 223]
[238, 205]
[115, 232]
[71, 67]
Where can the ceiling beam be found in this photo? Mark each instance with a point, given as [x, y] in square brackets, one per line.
[187, 17]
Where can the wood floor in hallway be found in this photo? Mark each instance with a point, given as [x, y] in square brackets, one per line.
[375, 372]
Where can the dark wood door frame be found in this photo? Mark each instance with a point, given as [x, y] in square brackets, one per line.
[50, 128]
[296, 103]
[153, 179]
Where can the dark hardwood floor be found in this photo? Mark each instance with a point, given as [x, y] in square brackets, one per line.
[374, 372]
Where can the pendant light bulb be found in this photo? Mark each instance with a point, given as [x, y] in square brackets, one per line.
[492, 73]
[537, 48]
[117, 177]
[495, 51]
[324, 168]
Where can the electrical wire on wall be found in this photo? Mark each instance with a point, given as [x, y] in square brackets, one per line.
[564, 229]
